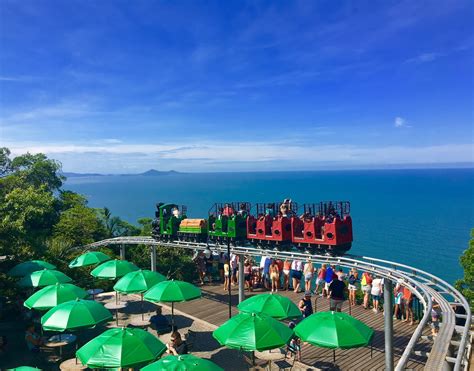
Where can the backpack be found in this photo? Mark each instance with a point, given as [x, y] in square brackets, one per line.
[366, 279]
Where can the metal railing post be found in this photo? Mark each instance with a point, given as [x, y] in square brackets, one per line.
[388, 323]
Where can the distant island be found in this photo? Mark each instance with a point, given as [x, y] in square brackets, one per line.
[151, 172]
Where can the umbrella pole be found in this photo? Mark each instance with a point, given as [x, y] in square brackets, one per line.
[143, 318]
[230, 278]
[334, 357]
[172, 315]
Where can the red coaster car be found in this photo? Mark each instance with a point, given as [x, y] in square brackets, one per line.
[272, 223]
[325, 226]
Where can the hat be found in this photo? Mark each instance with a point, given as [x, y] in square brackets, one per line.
[307, 293]
[292, 325]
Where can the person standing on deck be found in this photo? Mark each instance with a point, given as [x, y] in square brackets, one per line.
[366, 283]
[286, 274]
[353, 281]
[320, 281]
[305, 305]
[297, 273]
[408, 300]
[336, 294]
[376, 292]
[274, 276]
[308, 273]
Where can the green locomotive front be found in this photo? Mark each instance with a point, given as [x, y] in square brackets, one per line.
[168, 220]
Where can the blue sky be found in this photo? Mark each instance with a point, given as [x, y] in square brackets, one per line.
[121, 86]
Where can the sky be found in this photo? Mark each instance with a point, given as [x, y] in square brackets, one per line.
[125, 86]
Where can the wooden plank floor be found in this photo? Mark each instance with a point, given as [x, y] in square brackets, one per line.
[213, 308]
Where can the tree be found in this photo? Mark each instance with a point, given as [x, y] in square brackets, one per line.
[115, 226]
[27, 216]
[79, 225]
[466, 285]
[5, 162]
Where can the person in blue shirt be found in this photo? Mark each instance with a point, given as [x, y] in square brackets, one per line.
[159, 323]
[266, 272]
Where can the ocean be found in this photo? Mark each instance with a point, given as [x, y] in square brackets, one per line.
[421, 218]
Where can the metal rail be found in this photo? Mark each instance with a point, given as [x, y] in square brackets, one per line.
[424, 286]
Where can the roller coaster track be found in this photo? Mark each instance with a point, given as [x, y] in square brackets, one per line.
[450, 349]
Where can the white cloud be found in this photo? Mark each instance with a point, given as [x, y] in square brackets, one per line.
[424, 58]
[230, 155]
[400, 122]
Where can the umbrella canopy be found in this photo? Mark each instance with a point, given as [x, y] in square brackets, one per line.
[113, 269]
[44, 277]
[182, 363]
[89, 258]
[335, 330]
[50, 296]
[75, 314]
[252, 331]
[121, 347]
[276, 306]
[24, 368]
[172, 291]
[28, 267]
[138, 281]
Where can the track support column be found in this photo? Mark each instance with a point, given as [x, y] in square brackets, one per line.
[153, 258]
[241, 279]
[388, 323]
[122, 252]
[229, 288]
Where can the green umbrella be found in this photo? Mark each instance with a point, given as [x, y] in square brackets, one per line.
[24, 368]
[121, 347]
[334, 330]
[50, 296]
[172, 291]
[253, 331]
[89, 258]
[75, 314]
[113, 269]
[138, 281]
[28, 267]
[276, 306]
[44, 277]
[182, 363]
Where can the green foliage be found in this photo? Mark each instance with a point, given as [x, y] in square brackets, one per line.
[39, 220]
[27, 216]
[466, 285]
[78, 226]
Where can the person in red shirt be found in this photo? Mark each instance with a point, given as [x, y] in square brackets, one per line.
[279, 263]
[408, 301]
[228, 210]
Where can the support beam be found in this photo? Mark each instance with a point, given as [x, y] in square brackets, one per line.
[388, 323]
[122, 252]
[241, 278]
[229, 288]
[153, 258]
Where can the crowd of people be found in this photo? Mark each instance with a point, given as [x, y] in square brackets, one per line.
[325, 281]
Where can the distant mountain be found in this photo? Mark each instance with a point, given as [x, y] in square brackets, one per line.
[151, 172]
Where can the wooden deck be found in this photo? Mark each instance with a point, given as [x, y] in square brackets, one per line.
[213, 308]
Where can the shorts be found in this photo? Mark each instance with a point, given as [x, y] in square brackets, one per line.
[296, 274]
[335, 304]
[398, 299]
[209, 269]
[234, 271]
[435, 325]
[308, 277]
[274, 276]
[366, 288]
[248, 277]
[286, 272]
[220, 266]
[352, 287]
[320, 281]
[376, 297]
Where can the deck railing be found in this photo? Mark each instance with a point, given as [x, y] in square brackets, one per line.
[450, 349]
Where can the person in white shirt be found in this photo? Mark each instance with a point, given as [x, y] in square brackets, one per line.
[297, 274]
[376, 292]
[234, 264]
